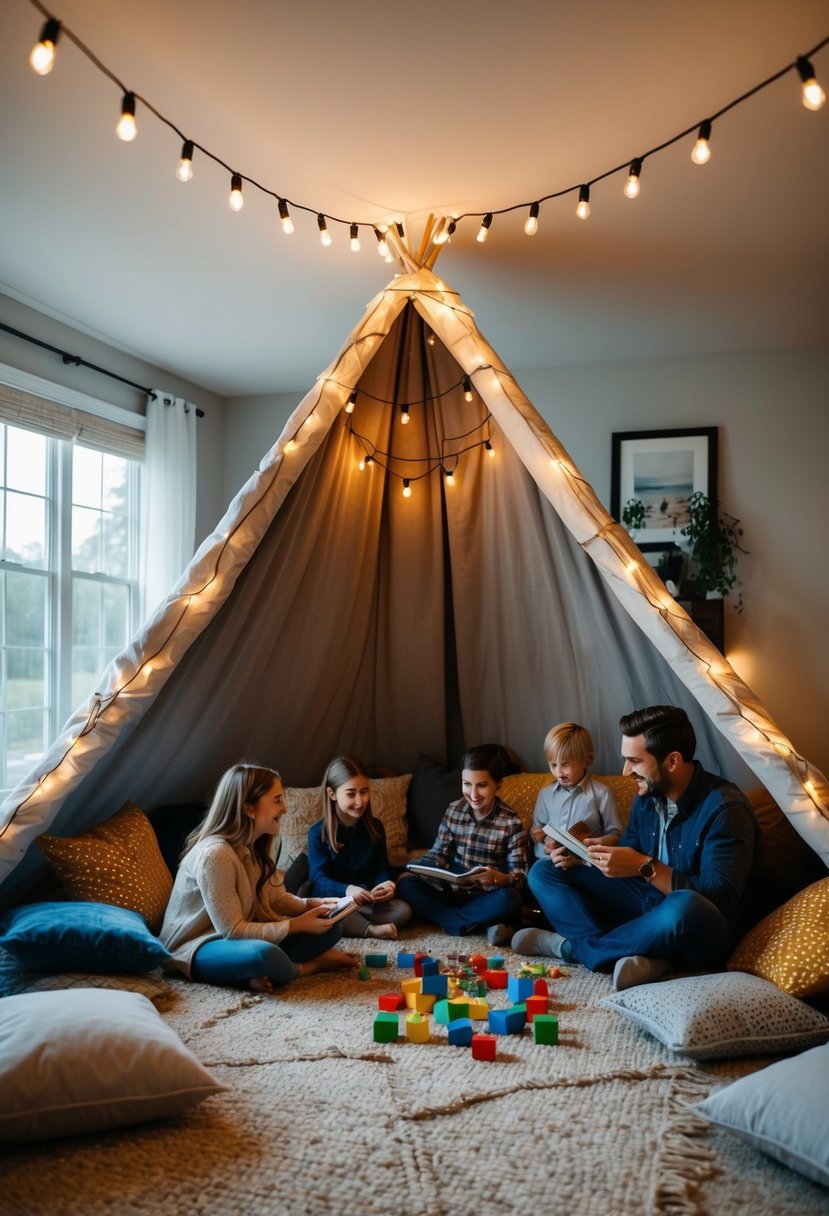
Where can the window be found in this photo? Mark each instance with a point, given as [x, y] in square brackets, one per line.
[68, 582]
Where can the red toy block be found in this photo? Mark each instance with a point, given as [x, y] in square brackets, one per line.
[390, 1002]
[536, 1005]
[479, 963]
[540, 988]
[496, 979]
[483, 1046]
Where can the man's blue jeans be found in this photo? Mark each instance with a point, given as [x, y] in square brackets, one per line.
[235, 960]
[606, 919]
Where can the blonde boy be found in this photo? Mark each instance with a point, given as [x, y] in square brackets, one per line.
[574, 797]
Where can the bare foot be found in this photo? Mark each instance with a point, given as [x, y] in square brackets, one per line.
[387, 931]
[260, 985]
[330, 960]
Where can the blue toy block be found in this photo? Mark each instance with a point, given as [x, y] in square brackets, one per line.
[496, 962]
[376, 960]
[519, 989]
[430, 966]
[460, 1032]
[436, 985]
[507, 1021]
[405, 958]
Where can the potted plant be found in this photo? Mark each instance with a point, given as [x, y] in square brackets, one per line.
[671, 560]
[713, 538]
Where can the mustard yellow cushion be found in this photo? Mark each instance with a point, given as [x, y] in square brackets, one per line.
[388, 804]
[791, 946]
[117, 862]
[520, 791]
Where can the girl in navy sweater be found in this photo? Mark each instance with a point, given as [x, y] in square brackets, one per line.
[347, 854]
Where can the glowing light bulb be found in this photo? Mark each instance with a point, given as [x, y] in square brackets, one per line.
[701, 153]
[583, 207]
[125, 128]
[631, 567]
[285, 218]
[449, 477]
[811, 94]
[382, 247]
[184, 169]
[483, 231]
[290, 446]
[352, 401]
[407, 489]
[236, 202]
[354, 233]
[147, 669]
[467, 388]
[531, 222]
[430, 339]
[632, 183]
[404, 415]
[361, 466]
[443, 233]
[490, 450]
[42, 58]
[325, 235]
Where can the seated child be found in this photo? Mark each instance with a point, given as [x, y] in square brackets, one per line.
[478, 829]
[230, 919]
[347, 854]
[574, 797]
[573, 800]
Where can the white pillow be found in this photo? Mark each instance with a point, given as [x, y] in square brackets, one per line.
[86, 1059]
[726, 1014]
[388, 804]
[777, 1110]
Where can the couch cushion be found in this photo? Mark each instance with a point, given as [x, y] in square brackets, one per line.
[790, 947]
[116, 862]
[388, 804]
[433, 788]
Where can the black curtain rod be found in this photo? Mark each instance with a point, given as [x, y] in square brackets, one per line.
[77, 361]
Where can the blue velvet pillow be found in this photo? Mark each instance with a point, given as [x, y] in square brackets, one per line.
[76, 936]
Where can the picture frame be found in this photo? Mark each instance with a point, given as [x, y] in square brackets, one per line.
[662, 468]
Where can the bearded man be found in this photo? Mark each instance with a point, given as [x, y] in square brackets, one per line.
[672, 892]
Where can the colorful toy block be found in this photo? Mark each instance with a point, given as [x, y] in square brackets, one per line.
[376, 960]
[541, 988]
[518, 988]
[386, 1028]
[419, 959]
[417, 1028]
[478, 1009]
[446, 1012]
[460, 1032]
[483, 1046]
[413, 985]
[496, 979]
[405, 958]
[430, 966]
[391, 1001]
[495, 962]
[437, 985]
[478, 963]
[536, 1005]
[545, 1028]
[364, 973]
[423, 1002]
[507, 1021]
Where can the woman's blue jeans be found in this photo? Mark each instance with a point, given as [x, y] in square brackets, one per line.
[235, 960]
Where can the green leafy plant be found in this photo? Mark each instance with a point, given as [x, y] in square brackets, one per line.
[713, 538]
[633, 515]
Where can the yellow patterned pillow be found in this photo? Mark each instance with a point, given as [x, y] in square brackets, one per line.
[117, 862]
[520, 791]
[388, 804]
[791, 946]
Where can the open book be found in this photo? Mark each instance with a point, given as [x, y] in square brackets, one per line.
[469, 878]
[341, 908]
[569, 840]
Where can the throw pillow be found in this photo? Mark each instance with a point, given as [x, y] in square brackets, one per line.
[776, 1111]
[521, 791]
[74, 936]
[723, 1015]
[432, 788]
[116, 862]
[791, 946]
[80, 1061]
[388, 804]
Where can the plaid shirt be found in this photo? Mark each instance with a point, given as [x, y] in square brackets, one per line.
[463, 841]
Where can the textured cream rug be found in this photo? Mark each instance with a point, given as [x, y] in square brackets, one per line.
[320, 1119]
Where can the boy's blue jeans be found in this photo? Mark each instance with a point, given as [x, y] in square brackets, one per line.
[235, 960]
[606, 919]
[461, 913]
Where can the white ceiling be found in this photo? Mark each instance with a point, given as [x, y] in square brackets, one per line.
[369, 110]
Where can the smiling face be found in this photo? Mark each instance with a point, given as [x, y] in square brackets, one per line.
[651, 776]
[266, 812]
[350, 799]
[479, 788]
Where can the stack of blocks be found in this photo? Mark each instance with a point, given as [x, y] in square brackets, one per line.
[455, 997]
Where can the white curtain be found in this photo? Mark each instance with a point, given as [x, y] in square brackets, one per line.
[168, 496]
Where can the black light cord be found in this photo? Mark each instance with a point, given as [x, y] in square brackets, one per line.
[315, 211]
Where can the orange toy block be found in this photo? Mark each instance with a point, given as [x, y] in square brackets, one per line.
[483, 1046]
[390, 1002]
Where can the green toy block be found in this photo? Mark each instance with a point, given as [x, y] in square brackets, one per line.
[445, 1012]
[386, 1028]
[364, 973]
[545, 1028]
[376, 960]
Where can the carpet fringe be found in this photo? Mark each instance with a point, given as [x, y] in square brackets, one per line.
[684, 1161]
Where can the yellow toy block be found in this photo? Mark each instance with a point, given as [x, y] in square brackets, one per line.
[423, 1002]
[417, 1028]
[413, 985]
[478, 1009]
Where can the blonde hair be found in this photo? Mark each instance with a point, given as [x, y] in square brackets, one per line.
[238, 787]
[344, 768]
[569, 741]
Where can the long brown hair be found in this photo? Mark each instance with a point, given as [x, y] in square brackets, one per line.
[344, 768]
[226, 817]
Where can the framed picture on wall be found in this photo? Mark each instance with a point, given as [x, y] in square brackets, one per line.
[662, 469]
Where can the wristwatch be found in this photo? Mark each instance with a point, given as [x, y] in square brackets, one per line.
[648, 868]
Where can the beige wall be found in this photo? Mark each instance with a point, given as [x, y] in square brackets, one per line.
[772, 408]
